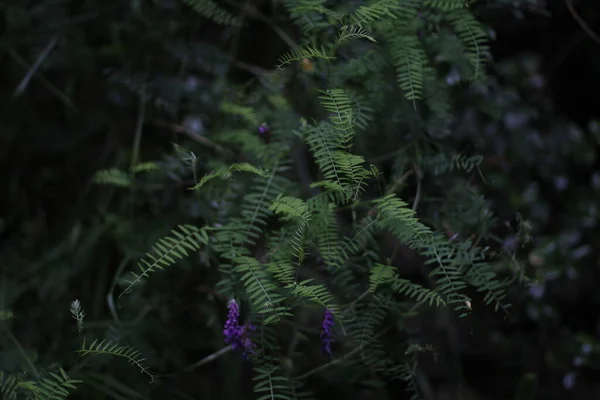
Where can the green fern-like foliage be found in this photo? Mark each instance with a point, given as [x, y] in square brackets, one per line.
[284, 246]
[52, 386]
[303, 52]
[110, 348]
[167, 251]
[9, 385]
[55, 386]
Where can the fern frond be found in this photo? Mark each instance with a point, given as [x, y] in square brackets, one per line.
[9, 385]
[145, 167]
[306, 51]
[110, 348]
[479, 274]
[473, 37]
[409, 59]
[401, 220]
[209, 9]
[290, 207]
[54, 386]
[386, 274]
[316, 293]
[167, 250]
[260, 288]
[269, 385]
[310, 15]
[446, 5]
[324, 228]
[348, 32]
[283, 271]
[376, 10]
[447, 271]
[265, 189]
[337, 102]
[227, 173]
[113, 176]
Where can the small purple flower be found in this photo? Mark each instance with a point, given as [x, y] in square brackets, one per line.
[327, 335]
[236, 335]
[263, 128]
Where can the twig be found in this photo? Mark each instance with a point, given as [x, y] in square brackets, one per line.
[401, 180]
[253, 69]
[53, 89]
[194, 136]
[36, 65]
[581, 22]
[135, 154]
[418, 195]
[205, 360]
[254, 12]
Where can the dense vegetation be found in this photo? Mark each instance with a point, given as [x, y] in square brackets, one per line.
[297, 199]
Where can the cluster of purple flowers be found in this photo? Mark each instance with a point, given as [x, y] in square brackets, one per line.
[236, 335]
[327, 335]
[239, 336]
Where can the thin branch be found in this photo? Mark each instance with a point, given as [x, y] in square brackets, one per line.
[194, 136]
[593, 35]
[418, 195]
[34, 68]
[205, 360]
[135, 154]
[53, 89]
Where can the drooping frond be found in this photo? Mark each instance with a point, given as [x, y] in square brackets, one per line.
[324, 229]
[289, 207]
[167, 251]
[54, 386]
[306, 51]
[227, 173]
[337, 102]
[397, 217]
[261, 289]
[110, 348]
[473, 37]
[348, 32]
[319, 294]
[409, 59]
[387, 275]
[263, 192]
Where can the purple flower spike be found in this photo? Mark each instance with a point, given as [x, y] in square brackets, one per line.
[233, 330]
[238, 336]
[327, 335]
